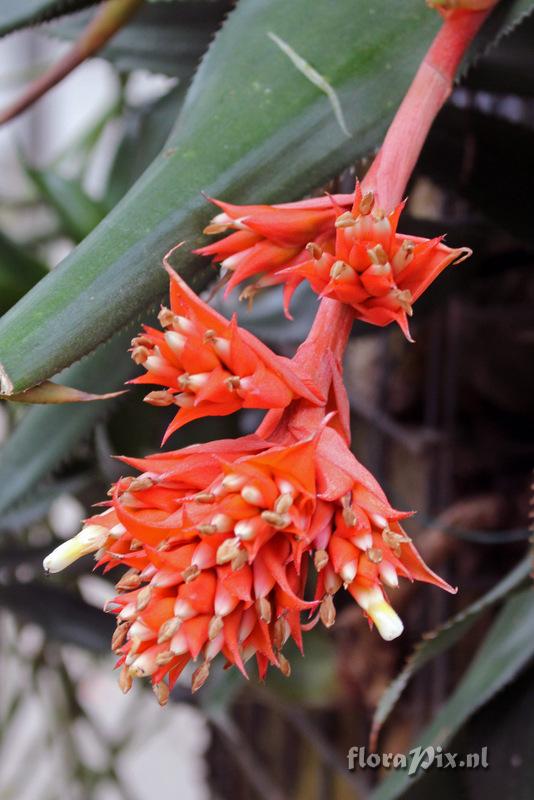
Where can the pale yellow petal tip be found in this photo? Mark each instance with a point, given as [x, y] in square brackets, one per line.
[89, 540]
[388, 623]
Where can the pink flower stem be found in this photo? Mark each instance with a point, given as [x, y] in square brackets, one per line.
[432, 85]
[328, 338]
[330, 332]
[387, 177]
[390, 171]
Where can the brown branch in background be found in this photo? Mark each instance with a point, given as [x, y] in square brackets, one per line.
[113, 15]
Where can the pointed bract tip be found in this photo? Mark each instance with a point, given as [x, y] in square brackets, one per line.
[167, 256]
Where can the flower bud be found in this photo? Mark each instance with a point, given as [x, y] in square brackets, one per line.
[200, 676]
[89, 540]
[161, 690]
[372, 601]
[175, 341]
[327, 612]
[388, 574]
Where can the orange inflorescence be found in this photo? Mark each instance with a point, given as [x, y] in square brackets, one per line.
[236, 546]
[208, 365]
[356, 257]
[267, 239]
[219, 540]
[229, 544]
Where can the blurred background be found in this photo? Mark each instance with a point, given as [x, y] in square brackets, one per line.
[446, 425]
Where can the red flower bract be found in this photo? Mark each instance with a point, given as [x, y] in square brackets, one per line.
[377, 271]
[210, 366]
[219, 540]
[355, 256]
[269, 238]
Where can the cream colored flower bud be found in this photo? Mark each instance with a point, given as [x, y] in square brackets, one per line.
[215, 627]
[278, 521]
[388, 623]
[175, 341]
[233, 482]
[222, 346]
[155, 363]
[183, 324]
[348, 572]
[283, 503]
[403, 256]
[364, 541]
[168, 629]
[228, 550]
[213, 647]
[245, 530]
[388, 574]
[183, 609]
[219, 224]
[251, 494]
[89, 540]
[344, 220]
[144, 665]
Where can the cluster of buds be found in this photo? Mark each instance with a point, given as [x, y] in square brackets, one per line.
[208, 365]
[221, 542]
[356, 256]
[236, 546]
[377, 271]
[266, 239]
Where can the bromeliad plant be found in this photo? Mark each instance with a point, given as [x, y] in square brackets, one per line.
[235, 546]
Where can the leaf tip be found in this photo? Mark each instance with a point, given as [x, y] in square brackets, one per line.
[6, 384]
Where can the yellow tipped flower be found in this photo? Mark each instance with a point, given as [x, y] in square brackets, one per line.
[372, 601]
[89, 540]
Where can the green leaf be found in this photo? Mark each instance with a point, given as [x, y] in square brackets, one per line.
[46, 435]
[438, 641]
[18, 272]
[506, 727]
[507, 648]
[508, 68]
[252, 127]
[168, 39]
[15, 14]
[503, 20]
[77, 212]
[178, 1]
